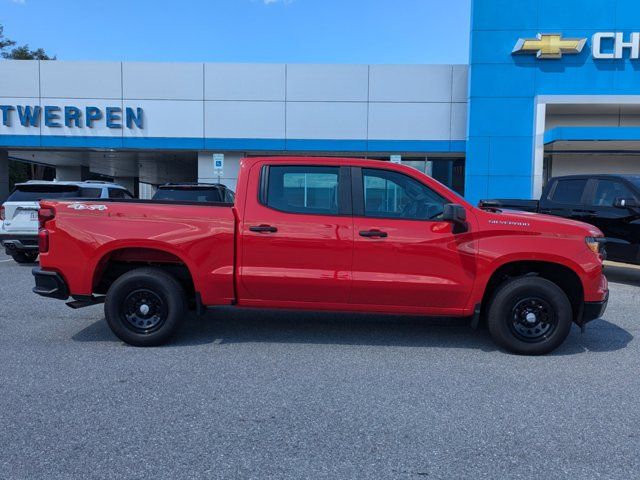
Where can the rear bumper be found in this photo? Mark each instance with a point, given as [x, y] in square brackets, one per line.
[19, 242]
[50, 284]
[594, 310]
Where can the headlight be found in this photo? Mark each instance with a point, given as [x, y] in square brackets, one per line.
[594, 244]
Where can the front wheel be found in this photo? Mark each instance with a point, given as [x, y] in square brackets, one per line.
[25, 257]
[529, 316]
[145, 306]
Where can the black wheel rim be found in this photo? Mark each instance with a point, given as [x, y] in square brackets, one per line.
[143, 311]
[533, 320]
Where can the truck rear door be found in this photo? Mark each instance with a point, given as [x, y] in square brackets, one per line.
[296, 236]
[567, 197]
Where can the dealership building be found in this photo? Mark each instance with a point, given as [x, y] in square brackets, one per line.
[552, 88]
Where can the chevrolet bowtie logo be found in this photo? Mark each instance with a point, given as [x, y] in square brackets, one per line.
[549, 45]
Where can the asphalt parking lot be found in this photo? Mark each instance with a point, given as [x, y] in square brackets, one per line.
[288, 395]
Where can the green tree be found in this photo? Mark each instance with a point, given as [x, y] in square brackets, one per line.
[9, 50]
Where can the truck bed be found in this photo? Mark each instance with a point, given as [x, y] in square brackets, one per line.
[85, 236]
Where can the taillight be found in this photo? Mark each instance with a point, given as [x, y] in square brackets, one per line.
[2, 213]
[44, 215]
[43, 240]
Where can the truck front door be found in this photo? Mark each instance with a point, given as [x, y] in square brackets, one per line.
[296, 236]
[404, 256]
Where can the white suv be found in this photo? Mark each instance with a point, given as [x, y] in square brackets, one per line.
[19, 214]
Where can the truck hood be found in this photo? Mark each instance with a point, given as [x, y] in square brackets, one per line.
[538, 222]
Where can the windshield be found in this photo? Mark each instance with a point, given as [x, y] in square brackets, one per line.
[198, 194]
[34, 193]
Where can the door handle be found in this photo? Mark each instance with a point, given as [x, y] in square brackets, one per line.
[373, 234]
[263, 229]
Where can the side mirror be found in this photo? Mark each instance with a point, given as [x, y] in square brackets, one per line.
[457, 215]
[625, 203]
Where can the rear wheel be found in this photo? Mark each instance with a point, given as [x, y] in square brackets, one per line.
[529, 316]
[25, 257]
[145, 306]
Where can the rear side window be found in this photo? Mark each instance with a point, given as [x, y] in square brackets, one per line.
[304, 189]
[117, 193]
[189, 194]
[34, 193]
[568, 191]
[607, 191]
[90, 192]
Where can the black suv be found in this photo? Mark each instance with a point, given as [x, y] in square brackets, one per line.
[609, 202]
[195, 192]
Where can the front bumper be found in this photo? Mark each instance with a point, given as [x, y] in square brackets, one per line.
[593, 310]
[50, 284]
[19, 242]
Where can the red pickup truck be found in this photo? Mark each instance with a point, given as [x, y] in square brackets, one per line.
[324, 234]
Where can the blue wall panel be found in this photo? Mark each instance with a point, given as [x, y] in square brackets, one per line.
[503, 87]
[509, 156]
[504, 14]
[562, 15]
[505, 117]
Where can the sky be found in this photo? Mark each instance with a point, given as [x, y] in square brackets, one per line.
[271, 31]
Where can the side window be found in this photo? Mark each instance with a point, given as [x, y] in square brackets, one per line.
[90, 192]
[303, 189]
[390, 194]
[607, 191]
[117, 193]
[229, 197]
[568, 191]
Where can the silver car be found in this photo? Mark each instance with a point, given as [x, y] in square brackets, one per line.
[19, 214]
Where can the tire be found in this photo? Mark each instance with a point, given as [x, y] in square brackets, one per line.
[529, 316]
[25, 257]
[145, 306]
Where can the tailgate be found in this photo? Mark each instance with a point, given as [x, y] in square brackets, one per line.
[21, 217]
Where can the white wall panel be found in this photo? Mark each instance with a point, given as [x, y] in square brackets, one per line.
[244, 119]
[244, 81]
[19, 78]
[410, 83]
[346, 83]
[582, 121]
[324, 120]
[578, 164]
[99, 128]
[409, 121]
[460, 85]
[168, 118]
[80, 79]
[15, 128]
[173, 81]
[458, 121]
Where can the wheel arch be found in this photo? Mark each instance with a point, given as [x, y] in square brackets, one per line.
[561, 275]
[119, 260]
